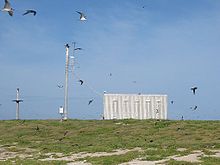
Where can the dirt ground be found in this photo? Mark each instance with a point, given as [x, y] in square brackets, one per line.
[7, 153]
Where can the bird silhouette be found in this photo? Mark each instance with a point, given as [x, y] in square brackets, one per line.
[194, 108]
[81, 82]
[60, 86]
[37, 128]
[182, 118]
[65, 133]
[30, 12]
[90, 101]
[78, 49]
[171, 101]
[67, 46]
[60, 139]
[7, 7]
[194, 90]
[82, 16]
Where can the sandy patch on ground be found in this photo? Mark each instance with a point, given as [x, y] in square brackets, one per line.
[5, 154]
[140, 162]
[216, 153]
[79, 163]
[84, 155]
[181, 149]
[195, 156]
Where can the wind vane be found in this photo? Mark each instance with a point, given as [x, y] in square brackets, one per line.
[17, 101]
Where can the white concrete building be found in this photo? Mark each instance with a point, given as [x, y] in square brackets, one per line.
[126, 106]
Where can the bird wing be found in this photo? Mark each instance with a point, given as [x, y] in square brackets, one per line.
[7, 5]
[82, 15]
[194, 90]
[34, 12]
[26, 12]
[10, 12]
[79, 12]
[90, 101]
[30, 11]
[78, 48]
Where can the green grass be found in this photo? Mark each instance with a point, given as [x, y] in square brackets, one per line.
[108, 135]
[210, 161]
[19, 161]
[113, 160]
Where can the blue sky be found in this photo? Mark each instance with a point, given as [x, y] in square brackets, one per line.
[166, 47]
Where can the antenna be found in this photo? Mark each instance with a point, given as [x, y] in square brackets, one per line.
[17, 101]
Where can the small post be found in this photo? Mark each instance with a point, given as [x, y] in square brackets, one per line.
[61, 112]
[17, 101]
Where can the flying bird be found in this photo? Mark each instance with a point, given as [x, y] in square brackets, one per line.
[171, 101]
[82, 16]
[30, 12]
[7, 7]
[194, 108]
[67, 46]
[90, 101]
[78, 49]
[194, 90]
[81, 82]
[60, 86]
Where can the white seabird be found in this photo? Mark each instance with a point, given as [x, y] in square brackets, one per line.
[7, 7]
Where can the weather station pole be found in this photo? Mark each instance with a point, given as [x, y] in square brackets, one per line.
[17, 101]
[66, 83]
[67, 76]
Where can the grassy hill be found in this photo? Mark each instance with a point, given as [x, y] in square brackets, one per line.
[155, 140]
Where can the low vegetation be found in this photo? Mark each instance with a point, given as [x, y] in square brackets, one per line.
[157, 140]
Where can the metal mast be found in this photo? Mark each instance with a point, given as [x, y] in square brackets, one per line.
[66, 83]
[67, 76]
[17, 101]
